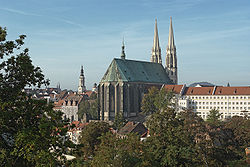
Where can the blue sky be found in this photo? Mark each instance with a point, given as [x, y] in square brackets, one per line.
[212, 36]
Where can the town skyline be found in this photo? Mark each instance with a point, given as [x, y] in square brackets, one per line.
[212, 41]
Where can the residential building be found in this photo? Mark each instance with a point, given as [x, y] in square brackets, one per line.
[229, 101]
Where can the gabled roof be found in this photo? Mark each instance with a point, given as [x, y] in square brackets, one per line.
[132, 127]
[199, 91]
[232, 90]
[216, 90]
[175, 88]
[135, 71]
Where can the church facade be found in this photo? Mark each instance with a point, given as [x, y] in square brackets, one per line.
[126, 81]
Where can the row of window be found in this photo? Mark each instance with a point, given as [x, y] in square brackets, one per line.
[224, 116]
[233, 103]
[220, 97]
[220, 108]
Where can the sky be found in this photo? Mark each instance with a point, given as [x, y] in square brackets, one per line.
[212, 37]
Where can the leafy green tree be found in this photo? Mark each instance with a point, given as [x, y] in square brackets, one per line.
[169, 144]
[119, 121]
[213, 117]
[93, 96]
[93, 111]
[148, 101]
[240, 127]
[88, 107]
[90, 140]
[155, 100]
[84, 108]
[115, 151]
[210, 142]
[31, 133]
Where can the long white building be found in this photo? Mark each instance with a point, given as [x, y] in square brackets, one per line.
[230, 101]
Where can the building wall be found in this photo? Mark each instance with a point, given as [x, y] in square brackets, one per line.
[227, 105]
[121, 97]
[70, 112]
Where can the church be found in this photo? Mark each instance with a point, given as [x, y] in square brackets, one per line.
[125, 82]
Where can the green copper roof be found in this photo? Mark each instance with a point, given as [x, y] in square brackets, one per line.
[135, 71]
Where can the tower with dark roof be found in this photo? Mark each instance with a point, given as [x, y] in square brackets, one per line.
[156, 50]
[81, 85]
[123, 56]
[171, 58]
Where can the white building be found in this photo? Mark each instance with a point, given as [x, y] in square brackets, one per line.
[229, 101]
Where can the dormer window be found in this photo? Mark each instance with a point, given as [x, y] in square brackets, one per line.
[235, 91]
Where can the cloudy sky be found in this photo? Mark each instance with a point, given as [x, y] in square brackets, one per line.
[212, 36]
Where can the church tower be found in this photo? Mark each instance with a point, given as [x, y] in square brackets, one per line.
[81, 86]
[171, 59]
[156, 50]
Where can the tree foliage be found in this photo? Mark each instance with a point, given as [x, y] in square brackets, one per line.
[119, 121]
[90, 137]
[88, 107]
[30, 131]
[213, 117]
[155, 100]
[114, 151]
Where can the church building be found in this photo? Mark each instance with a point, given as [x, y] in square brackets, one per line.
[126, 81]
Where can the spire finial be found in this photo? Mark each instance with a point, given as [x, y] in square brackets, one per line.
[123, 51]
[81, 70]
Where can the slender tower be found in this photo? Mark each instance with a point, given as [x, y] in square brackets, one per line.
[123, 56]
[156, 50]
[81, 86]
[171, 59]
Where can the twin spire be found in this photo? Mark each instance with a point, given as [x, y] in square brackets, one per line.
[156, 50]
[171, 59]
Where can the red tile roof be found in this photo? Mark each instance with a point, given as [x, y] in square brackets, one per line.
[174, 88]
[199, 91]
[133, 127]
[232, 90]
[88, 92]
[79, 125]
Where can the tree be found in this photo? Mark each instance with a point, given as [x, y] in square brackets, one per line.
[30, 131]
[148, 101]
[115, 151]
[155, 100]
[90, 137]
[119, 121]
[84, 108]
[169, 144]
[210, 142]
[93, 111]
[88, 107]
[240, 127]
[213, 117]
[93, 96]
